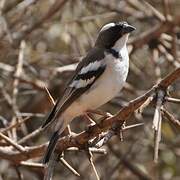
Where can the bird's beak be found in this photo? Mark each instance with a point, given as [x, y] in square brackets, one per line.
[128, 28]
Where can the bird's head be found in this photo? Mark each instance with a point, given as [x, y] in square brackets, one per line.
[114, 35]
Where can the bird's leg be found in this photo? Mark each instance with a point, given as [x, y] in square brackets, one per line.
[99, 112]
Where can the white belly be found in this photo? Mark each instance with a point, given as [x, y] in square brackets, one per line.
[104, 89]
[107, 86]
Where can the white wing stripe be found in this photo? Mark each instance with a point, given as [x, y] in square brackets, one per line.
[81, 83]
[91, 67]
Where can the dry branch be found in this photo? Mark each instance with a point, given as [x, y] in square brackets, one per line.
[171, 118]
[52, 11]
[81, 139]
[155, 32]
[23, 81]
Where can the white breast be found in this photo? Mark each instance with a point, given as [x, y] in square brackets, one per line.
[107, 86]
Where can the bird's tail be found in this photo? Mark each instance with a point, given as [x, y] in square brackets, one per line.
[59, 127]
[52, 115]
[51, 146]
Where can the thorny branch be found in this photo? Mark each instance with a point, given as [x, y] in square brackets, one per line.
[83, 138]
[162, 40]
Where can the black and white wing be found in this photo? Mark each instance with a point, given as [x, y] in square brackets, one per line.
[87, 72]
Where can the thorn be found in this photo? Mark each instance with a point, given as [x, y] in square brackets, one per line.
[133, 126]
[90, 156]
[49, 96]
[65, 163]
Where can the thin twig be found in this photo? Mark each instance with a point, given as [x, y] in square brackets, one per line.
[129, 164]
[92, 149]
[32, 164]
[12, 143]
[68, 166]
[145, 104]
[18, 73]
[90, 156]
[51, 12]
[171, 118]
[155, 32]
[30, 136]
[132, 126]
[166, 9]
[4, 22]
[49, 96]
[157, 13]
[14, 125]
[172, 100]
[157, 123]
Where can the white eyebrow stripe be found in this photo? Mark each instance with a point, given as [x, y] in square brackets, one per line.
[93, 66]
[107, 26]
[81, 83]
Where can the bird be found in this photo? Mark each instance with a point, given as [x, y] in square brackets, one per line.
[98, 78]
